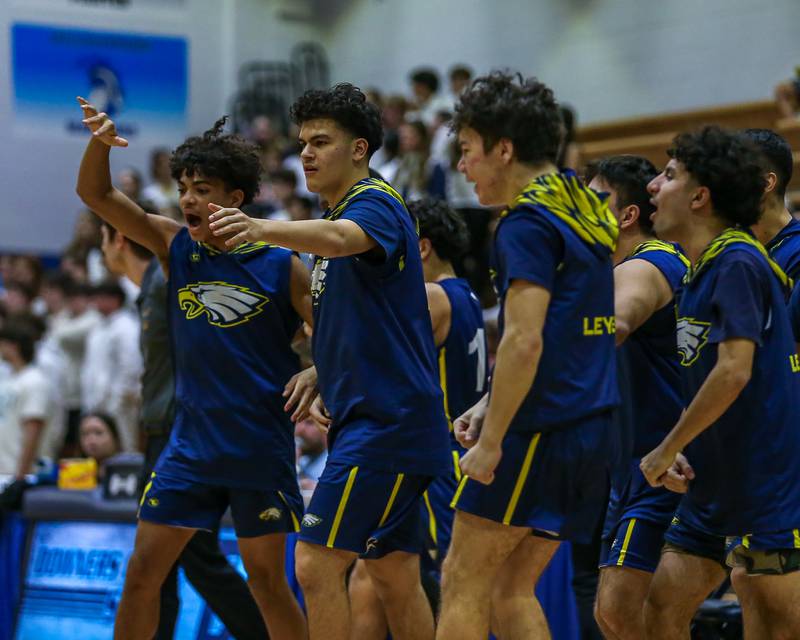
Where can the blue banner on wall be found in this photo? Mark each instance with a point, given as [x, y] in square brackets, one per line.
[140, 80]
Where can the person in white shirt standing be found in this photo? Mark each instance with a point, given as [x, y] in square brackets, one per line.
[26, 405]
[113, 364]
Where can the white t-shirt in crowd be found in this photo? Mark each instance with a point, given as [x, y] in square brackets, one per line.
[24, 395]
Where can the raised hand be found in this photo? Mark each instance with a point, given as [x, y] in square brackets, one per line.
[101, 126]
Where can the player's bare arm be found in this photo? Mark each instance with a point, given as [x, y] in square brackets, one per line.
[329, 238]
[95, 189]
[722, 386]
[440, 309]
[640, 289]
[517, 361]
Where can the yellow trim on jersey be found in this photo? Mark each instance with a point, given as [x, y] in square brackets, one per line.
[796, 538]
[731, 236]
[580, 208]
[295, 523]
[443, 385]
[746, 541]
[457, 494]
[624, 551]
[392, 497]
[348, 487]
[359, 188]
[659, 245]
[245, 247]
[431, 516]
[147, 488]
[523, 475]
[456, 466]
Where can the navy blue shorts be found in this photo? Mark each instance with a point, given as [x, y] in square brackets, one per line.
[182, 503]
[634, 544]
[684, 538]
[554, 483]
[366, 511]
[438, 514]
[632, 497]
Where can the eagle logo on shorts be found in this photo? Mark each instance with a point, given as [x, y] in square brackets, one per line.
[310, 520]
[692, 337]
[224, 305]
[270, 515]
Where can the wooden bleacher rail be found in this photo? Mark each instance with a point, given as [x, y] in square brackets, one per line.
[763, 113]
[650, 136]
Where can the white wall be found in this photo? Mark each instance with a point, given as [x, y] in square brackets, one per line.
[609, 58]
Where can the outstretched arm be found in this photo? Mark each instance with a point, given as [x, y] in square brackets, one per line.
[329, 238]
[95, 189]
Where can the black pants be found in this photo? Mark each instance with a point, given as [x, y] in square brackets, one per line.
[212, 576]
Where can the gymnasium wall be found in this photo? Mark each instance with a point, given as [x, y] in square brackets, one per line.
[609, 58]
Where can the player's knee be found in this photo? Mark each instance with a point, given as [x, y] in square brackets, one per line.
[613, 614]
[306, 567]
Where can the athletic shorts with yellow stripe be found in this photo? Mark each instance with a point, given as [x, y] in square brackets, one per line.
[633, 544]
[554, 482]
[179, 502]
[367, 511]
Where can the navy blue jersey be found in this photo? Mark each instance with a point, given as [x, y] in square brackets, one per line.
[463, 365]
[794, 314]
[784, 249]
[747, 476]
[232, 324]
[559, 235]
[654, 379]
[373, 343]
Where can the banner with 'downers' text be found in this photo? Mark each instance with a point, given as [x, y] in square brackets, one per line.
[139, 80]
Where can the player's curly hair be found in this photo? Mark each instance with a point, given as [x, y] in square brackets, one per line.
[347, 106]
[728, 165]
[229, 158]
[445, 228]
[524, 110]
[629, 176]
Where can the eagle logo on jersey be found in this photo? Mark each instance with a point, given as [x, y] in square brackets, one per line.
[692, 337]
[225, 305]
